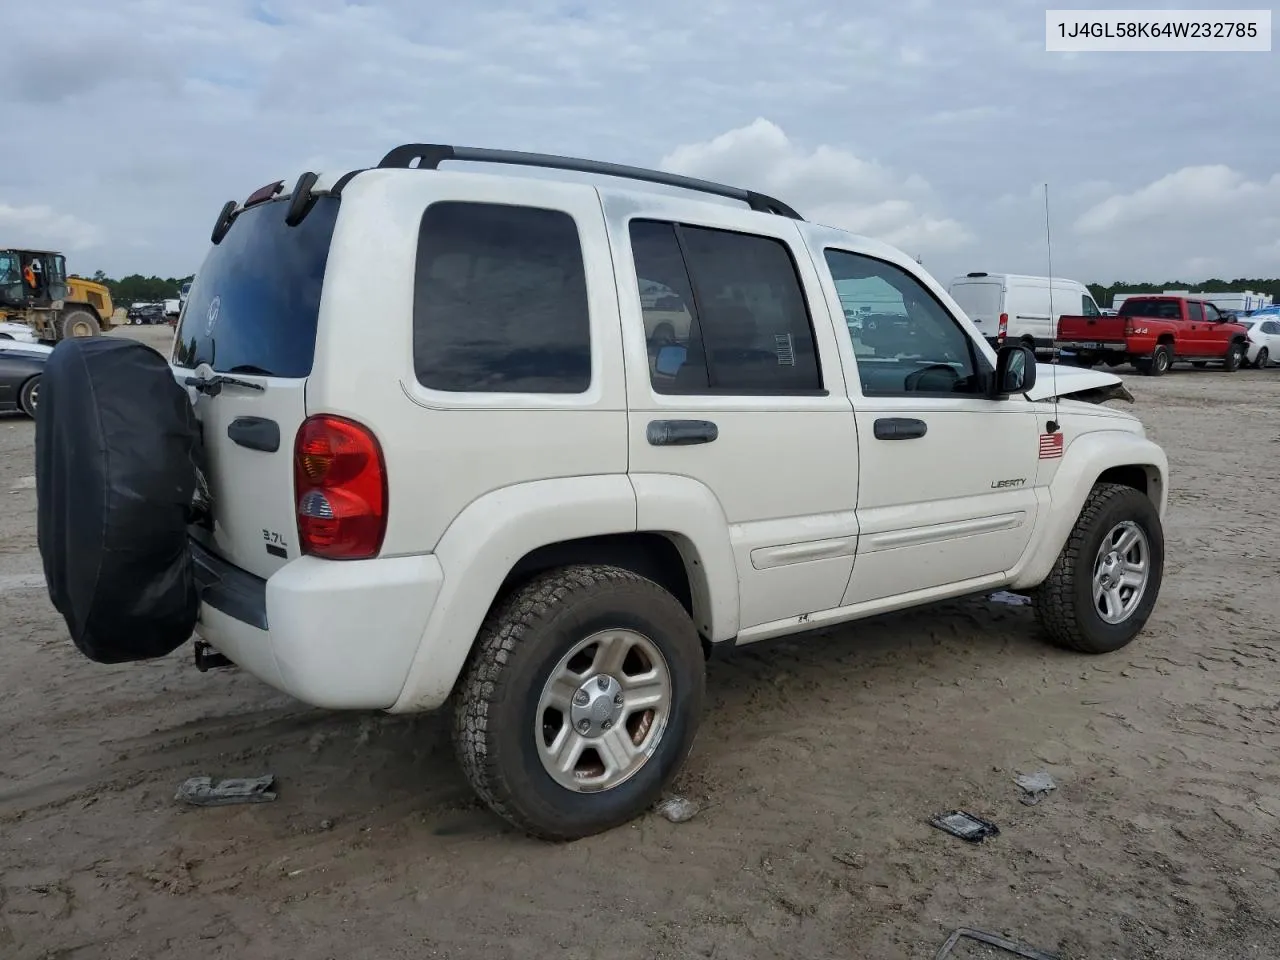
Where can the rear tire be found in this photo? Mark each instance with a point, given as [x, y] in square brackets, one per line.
[510, 716]
[29, 396]
[1088, 573]
[1263, 360]
[78, 323]
[1161, 360]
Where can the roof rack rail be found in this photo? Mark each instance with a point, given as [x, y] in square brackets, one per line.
[429, 156]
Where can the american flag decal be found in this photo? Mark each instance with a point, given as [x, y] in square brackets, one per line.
[1050, 446]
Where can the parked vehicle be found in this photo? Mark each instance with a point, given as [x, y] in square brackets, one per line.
[20, 332]
[493, 493]
[1153, 333]
[36, 290]
[21, 365]
[1264, 339]
[1010, 308]
[172, 308]
[144, 313]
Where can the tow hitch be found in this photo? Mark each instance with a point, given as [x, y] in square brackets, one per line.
[208, 658]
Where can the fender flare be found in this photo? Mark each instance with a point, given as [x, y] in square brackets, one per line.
[486, 540]
[1086, 458]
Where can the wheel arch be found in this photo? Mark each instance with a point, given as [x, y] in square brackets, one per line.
[1106, 456]
[503, 539]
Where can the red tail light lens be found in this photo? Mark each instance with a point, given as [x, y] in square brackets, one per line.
[1128, 327]
[1002, 330]
[340, 482]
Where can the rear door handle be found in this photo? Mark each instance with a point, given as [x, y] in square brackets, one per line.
[900, 428]
[679, 433]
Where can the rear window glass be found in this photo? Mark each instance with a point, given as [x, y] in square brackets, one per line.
[500, 302]
[980, 301]
[1155, 309]
[255, 304]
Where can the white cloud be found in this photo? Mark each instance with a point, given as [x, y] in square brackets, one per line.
[826, 184]
[40, 227]
[1198, 221]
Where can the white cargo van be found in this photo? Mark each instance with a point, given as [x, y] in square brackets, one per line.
[1007, 307]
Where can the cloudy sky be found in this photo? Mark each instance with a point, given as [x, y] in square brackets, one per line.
[928, 123]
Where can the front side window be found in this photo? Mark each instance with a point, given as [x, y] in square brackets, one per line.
[1212, 313]
[904, 340]
[724, 312]
[500, 302]
[1090, 309]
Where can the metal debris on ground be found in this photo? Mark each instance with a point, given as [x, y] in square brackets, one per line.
[204, 792]
[1035, 786]
[965, 826]
[1010, 599]
[678, 809]
[990, 939]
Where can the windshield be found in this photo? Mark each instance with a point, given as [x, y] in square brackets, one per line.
[255, 304]
[1155, 309]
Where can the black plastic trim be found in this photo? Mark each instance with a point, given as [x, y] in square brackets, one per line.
[900, 428]
[256, 433]
[227, 588]
[429, 156]
[301, 200]
[679, 433]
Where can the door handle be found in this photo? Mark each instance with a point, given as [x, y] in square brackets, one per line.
[680, 433]
[900, 428]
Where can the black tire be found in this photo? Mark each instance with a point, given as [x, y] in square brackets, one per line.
[521, 642]
[29, 396]
[1235, 356]
[1263, 359]
[1161, 360]
[1064, 603]
[78, 323]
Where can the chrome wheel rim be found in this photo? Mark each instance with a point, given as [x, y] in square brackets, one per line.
[603, 711]
[34, 395]
[1121, 572]
[1162, 361]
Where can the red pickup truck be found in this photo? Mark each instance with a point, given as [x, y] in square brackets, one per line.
[1152, 333]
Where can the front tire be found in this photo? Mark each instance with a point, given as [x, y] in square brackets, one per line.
[1106, 581]
[78, 323]
[1234, 358]
[580, 701]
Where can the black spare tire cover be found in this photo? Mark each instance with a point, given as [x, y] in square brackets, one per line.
[116, 448]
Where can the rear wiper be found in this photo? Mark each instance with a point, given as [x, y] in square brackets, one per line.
[212, 386]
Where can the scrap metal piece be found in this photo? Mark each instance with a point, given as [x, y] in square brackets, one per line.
[1018, 950]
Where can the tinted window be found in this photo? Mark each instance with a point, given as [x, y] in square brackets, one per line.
[501, 301]
[1271, 327]
[1195, 311]
[732, 303]
[907, 343]
[254, 306]
[1154, 309]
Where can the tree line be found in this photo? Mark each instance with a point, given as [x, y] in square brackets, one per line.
[1103, 295]
[136, 288]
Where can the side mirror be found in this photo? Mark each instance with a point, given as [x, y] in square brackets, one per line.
[1015, 371]
[670, 359]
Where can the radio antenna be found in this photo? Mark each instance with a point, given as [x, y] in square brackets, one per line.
[1052, 426]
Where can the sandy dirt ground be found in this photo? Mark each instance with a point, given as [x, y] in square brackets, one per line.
[819, 762]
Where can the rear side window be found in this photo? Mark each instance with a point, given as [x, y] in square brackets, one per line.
[255, 304]
[500, 303]
[1153, 309]
[729, 309]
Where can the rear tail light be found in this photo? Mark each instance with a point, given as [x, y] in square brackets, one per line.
[340, 485]
[1002, 330]
[1128, 327]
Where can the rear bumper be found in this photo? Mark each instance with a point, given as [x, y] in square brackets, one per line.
[335, 634]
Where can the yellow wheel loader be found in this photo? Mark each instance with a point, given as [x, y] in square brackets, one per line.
[35, 290]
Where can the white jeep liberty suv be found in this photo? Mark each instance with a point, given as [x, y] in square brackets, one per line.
[536, 448]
